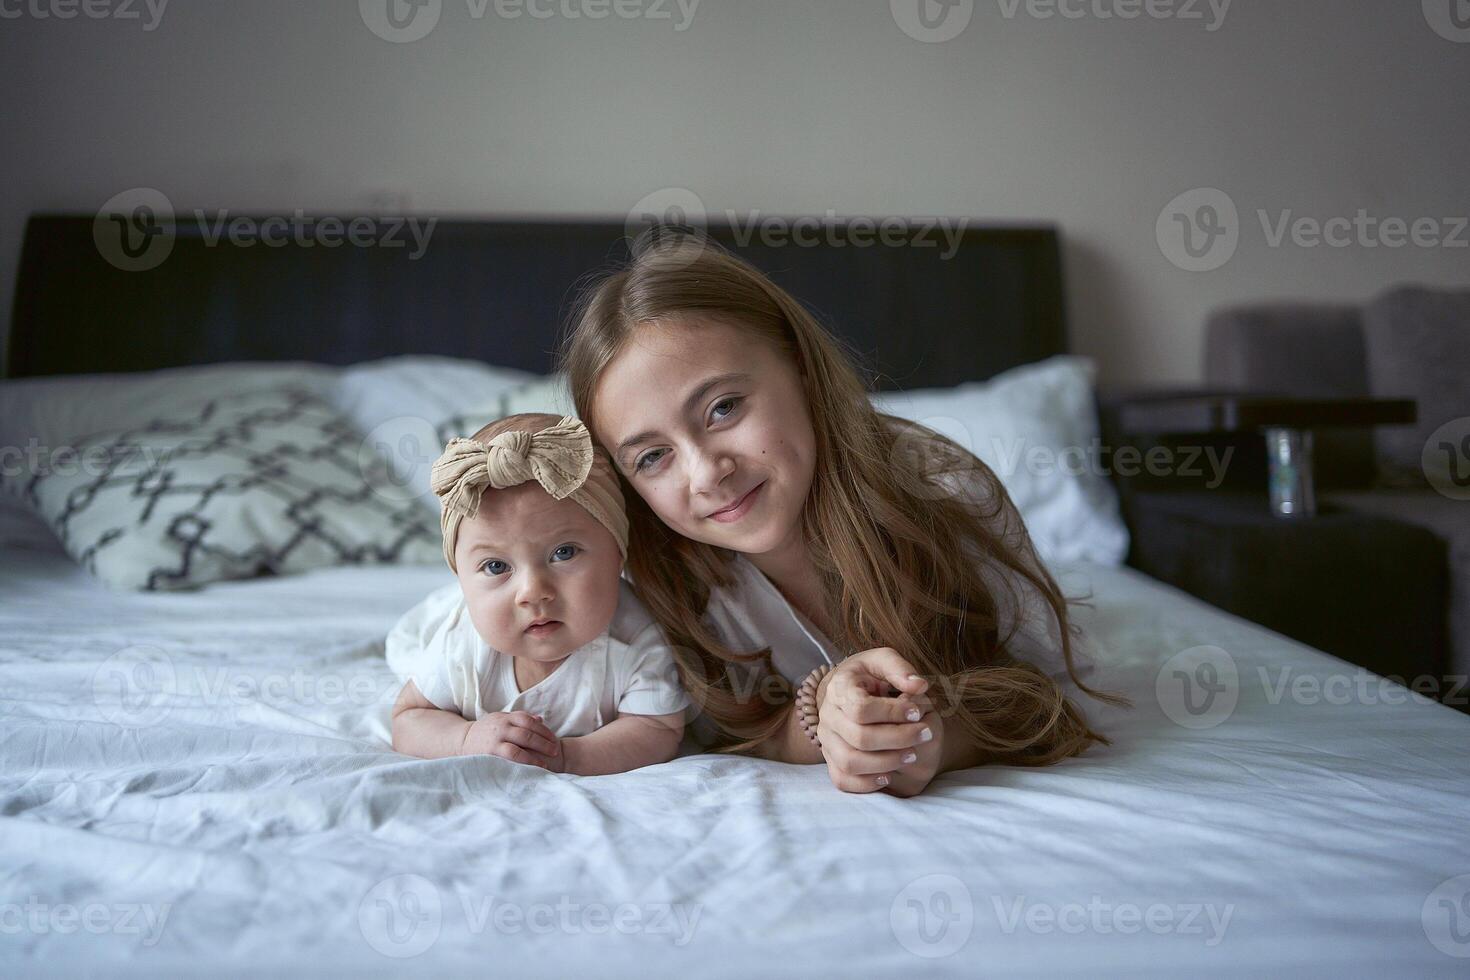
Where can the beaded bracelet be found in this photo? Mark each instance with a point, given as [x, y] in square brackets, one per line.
[806, 703]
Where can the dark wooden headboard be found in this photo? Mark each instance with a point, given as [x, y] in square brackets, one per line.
[499, 291]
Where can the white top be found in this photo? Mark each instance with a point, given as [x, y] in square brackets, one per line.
[628, 669]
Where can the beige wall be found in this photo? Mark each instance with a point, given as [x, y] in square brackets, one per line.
[1322, 107]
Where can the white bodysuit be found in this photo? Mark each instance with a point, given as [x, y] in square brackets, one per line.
[628, 669]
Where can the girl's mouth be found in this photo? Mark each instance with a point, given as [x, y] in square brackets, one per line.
[544, 628]
[740, 508]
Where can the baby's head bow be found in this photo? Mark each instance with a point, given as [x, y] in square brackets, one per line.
[560, 458]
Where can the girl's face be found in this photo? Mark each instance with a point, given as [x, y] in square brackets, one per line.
[524, 558]
[710, 425]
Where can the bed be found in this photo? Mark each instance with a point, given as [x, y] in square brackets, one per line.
[201, 780]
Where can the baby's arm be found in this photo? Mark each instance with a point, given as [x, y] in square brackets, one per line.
[628, 742]
[424, 730]
[421, 729]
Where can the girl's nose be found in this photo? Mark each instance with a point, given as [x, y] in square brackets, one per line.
[708, 470]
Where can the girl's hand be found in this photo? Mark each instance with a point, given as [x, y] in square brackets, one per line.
[515, 735]
[913, 777]
[867, 736]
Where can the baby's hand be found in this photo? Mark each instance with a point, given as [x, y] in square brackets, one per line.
[515, 735]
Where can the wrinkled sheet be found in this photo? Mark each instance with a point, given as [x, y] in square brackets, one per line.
[196, 783]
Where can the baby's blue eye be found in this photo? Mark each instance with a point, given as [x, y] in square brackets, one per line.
[732, 402]
[565, 553]
[495, 567]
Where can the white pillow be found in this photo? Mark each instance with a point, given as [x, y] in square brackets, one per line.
[408, 407]
[1036, 426]
[270, 481]
[426, 387]
[549, 393]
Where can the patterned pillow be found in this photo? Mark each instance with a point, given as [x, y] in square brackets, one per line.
[264, 482]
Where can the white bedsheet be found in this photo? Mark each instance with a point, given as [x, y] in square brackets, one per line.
[256, 816]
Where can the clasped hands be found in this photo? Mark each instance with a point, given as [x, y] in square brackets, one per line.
[871, 741]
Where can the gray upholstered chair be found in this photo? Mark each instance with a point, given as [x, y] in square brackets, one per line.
[1409, 342]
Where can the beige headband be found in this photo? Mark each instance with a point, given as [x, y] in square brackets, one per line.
[559, 457]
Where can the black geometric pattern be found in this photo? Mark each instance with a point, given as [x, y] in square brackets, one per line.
[266, 482]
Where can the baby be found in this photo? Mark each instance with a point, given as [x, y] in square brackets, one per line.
[540, 653]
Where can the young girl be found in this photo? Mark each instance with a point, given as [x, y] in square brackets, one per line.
[785, 531]
[540, 653]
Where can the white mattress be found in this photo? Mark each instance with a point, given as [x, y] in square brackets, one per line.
[272, 825]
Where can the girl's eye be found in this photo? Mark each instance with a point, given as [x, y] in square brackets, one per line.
[654, 455]
[565, 553]
[732, 402]
[494, 567]
[651, 455]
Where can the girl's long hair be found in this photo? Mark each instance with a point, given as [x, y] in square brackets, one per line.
[897, 559]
